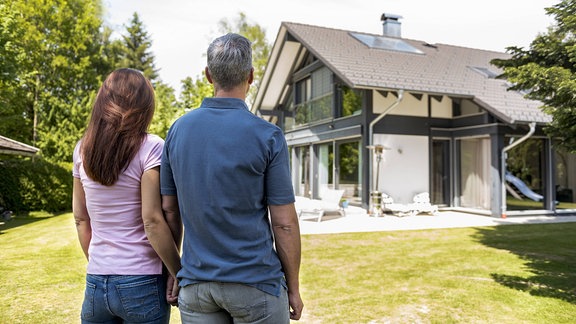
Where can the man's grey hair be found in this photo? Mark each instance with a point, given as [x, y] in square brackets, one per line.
[230, 60]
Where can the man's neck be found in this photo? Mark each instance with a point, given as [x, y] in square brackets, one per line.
[230, 94]
[238, 92]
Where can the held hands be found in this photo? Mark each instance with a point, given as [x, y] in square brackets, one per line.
[172, 290]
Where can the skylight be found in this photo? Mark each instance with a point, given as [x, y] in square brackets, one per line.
[386, 43]
[484, 71]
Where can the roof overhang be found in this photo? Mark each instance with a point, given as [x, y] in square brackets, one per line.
[10, 146]
[274, 85]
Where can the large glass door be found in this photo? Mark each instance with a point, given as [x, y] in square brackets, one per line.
[334, 165]
[326, 166]
[303, 188]
[440, 193]
[349, 161]
[475, 180]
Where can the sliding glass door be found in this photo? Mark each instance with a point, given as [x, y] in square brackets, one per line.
[348, 169]
[475, 180]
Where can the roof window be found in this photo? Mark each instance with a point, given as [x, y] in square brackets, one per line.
[386, 43]
[484, 71]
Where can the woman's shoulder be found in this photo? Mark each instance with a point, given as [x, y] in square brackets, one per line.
[154, 139]
[152, 145]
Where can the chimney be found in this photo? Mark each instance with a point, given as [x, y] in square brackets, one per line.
[391, 25]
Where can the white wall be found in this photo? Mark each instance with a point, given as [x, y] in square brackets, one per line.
[404, 169]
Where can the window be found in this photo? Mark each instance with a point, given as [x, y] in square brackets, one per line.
[313, 97]
[386, 43]
[486, 72]
[351, 101]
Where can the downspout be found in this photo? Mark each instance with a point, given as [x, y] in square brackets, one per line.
[503, 168]
[371, 131]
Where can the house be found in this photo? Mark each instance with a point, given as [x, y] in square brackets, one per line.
[383, 114]
[10, 146]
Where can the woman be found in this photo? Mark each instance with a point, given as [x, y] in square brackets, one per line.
[117, 208]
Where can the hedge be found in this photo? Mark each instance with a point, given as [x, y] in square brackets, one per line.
[35, 185]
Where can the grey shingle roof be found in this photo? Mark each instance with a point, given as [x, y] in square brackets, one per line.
[9, 146]
[442, 69]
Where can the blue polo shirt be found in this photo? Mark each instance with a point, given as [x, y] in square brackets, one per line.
[226, 166]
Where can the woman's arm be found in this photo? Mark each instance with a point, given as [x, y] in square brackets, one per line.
[81, 217]
[172, 214]
[156, 227]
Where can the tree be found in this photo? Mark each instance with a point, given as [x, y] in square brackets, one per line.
[55, 69]
[260, 47]
[13, 121]
[113, 50]
[194, 90]
[137, 54]
[547, 72]
[166, 110]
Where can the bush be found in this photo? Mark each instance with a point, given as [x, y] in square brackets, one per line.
[35, 184]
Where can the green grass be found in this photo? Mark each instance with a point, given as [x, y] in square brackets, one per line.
[504, 274]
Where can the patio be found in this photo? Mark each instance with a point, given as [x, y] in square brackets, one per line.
[357, 220]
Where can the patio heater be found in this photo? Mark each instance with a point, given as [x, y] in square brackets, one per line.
[375, 208]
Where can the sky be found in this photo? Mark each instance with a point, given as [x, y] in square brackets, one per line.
[181, 30]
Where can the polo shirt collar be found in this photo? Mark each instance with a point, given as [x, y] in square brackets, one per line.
[224, 103]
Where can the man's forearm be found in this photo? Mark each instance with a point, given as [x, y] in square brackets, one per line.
[288, 247]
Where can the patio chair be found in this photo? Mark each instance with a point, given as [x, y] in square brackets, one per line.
[329, 202]
[422, 204]
[396, 209]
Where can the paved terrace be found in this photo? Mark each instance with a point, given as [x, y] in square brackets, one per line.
[356, 220]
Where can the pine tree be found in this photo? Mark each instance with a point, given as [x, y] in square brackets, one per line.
[136, 53]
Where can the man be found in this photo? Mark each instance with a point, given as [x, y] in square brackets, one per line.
[225, 169]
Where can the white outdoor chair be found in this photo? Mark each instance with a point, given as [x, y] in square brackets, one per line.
[329, 202]
[422, 204]
[396, 209]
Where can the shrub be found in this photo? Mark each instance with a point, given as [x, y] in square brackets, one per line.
[35, 184]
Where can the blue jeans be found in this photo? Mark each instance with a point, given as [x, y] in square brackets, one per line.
[217, 302]
[125, 299]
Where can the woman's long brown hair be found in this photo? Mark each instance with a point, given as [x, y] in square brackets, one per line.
[120, 118]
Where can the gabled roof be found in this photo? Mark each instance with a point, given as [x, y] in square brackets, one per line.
[440, 70]
[10, 146]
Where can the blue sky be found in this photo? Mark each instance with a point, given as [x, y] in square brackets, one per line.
[182, 29]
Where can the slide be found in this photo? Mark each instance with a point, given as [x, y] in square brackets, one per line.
[523, 188]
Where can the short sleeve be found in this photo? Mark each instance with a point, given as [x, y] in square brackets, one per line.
[167, 185]
[77, 161]
[153, 158]
[278, 178]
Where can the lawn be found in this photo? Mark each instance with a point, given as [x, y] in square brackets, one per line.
[504, 274]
